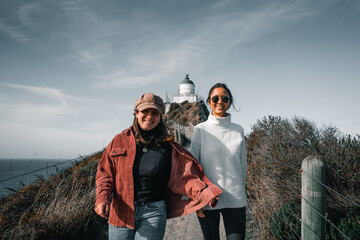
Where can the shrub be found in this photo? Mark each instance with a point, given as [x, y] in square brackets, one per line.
[285, 224]
[276, 149]
[59, 208]
[348, 223]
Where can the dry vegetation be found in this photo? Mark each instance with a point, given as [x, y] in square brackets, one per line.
[185, 113]
[58, 208]
[276, 149]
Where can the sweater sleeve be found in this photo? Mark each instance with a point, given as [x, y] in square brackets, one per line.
[196, 144]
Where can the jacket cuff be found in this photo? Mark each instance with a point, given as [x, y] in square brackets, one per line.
[101, 200]
[209, 195]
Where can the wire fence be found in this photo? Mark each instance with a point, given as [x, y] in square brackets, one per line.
[51, 166]
[39, 169]
[267, 210]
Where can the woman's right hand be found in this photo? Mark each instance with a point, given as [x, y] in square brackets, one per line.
[103, 210]
[200, 213]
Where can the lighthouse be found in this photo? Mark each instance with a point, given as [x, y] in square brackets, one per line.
[186, 91]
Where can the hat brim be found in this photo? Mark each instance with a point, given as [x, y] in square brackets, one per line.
[144, 106]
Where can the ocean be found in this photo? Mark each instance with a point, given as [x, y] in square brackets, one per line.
[17, 173]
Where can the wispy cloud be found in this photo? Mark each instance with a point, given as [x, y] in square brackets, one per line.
[44, 91]
[40, 105]
[50, 121]
[27, 12]
[125, 48]
[13, 31]
[158, 54]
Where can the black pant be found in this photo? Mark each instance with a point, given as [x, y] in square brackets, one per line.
[234, 223]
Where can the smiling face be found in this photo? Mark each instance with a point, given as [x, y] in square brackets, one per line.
[148, 118]
[218, 102]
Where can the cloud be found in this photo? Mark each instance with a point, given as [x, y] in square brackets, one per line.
[28, 11]
[27, 23]
[44, 91]
[13, 32]
[40, 105]
[132, 45]
[51, 122]
[23, 141]
[156, 54]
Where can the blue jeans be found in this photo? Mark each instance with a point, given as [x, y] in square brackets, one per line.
[150, 223]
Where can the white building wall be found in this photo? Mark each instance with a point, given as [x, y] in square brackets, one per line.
[186, 88]
[182, 98]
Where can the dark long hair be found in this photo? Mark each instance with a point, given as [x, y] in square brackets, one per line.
[165, 133]
[222, 85]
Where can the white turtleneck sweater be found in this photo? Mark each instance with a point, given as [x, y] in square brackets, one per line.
[219, 146]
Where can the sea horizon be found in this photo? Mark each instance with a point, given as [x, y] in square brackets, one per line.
[16, 173]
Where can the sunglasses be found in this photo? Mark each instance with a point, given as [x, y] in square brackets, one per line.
[224, 99]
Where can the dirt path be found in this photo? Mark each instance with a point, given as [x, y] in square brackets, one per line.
[186, 228]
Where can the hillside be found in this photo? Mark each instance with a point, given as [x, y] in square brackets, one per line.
[57, 208]
[188, 113]
[183, 117]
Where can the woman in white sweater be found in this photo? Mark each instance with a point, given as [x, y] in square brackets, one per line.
[219, 145]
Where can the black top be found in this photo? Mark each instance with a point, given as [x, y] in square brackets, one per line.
[151, 169]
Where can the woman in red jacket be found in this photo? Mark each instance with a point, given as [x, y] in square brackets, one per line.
[143, 176]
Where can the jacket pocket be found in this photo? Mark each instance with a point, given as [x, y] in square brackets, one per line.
[118, 152]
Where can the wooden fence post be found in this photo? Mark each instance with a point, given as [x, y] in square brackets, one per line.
[313, 199]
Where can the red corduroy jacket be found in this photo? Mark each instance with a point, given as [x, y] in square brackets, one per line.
[114, 182]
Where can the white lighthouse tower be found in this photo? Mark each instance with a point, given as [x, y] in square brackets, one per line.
[186, 91]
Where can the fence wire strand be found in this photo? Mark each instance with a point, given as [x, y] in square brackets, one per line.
[53, 165]
[270, 215]
[333, 191]
[274, 178]
[322, 184]
[327, 220]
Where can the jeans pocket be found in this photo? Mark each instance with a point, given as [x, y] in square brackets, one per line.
[155, 205]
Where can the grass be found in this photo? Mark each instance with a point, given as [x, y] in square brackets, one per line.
[58, 208]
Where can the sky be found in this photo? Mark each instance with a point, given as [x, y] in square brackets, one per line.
[71, 70]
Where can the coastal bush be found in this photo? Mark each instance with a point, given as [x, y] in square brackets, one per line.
[285, 224]
[347, 222]
[276, 148]
[61, 207]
